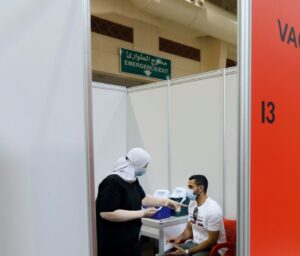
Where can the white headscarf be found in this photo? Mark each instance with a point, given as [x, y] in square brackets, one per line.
[137, 158]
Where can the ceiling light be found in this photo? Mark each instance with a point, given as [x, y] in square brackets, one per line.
[199, 3]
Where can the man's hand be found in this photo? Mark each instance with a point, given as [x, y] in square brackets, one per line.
[179, 251]
[175, 240]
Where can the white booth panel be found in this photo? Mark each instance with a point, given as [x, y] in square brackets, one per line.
[197, 132]
[43, 134]
[148, 128]
[109, 126]
[231, 146]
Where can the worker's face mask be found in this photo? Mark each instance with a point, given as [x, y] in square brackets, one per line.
[140, 171]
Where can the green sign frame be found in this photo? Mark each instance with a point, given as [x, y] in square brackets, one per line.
[142, 64]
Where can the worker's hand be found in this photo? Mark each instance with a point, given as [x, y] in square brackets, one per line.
[174, 205]
[148, 212]
[179, 251]
[174, 240]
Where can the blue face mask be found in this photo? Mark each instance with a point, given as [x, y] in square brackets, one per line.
[191, 194]
[140, 172]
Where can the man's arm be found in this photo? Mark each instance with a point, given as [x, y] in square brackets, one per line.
[207, 244]
[185, 235]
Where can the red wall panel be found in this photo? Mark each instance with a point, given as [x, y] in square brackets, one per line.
[275, 146]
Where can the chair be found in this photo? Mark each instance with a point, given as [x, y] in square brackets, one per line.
[230, 229]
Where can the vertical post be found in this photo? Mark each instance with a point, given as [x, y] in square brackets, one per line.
[169, 135]
[86, 16]
[244, 70]
[224, 143]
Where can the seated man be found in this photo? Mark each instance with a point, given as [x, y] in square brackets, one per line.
[205, 223]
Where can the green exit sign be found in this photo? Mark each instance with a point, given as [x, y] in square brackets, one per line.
[143, 64]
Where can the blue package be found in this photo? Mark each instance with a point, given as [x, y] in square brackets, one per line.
[163, 213]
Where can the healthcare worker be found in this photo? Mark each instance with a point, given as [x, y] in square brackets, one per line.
[119, 206]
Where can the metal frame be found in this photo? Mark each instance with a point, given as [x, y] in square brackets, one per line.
[224, 143]
[244, 74]
[169, 135]
[216, 73]
[244, 71]
[176, 81]
[155, 228]
[86, 16]
[109, 87]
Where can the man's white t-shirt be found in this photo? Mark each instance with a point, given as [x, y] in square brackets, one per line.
[207, 217]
